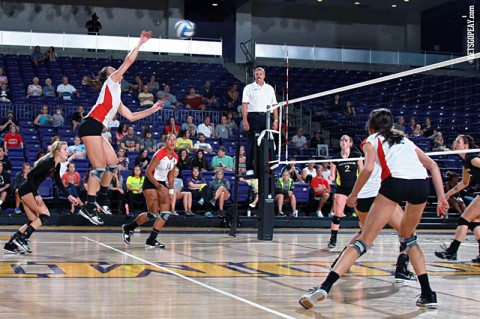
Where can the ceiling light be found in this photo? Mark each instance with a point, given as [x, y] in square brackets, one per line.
[394, 5]
[464, 16]
[214, 4]
[406, 0]
[357, 2]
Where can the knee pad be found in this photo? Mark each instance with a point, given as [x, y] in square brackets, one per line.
[336, 220]
[112, 168]
[462, 222]
[473, 225]
[407, 243]
[97, 173]
[360, 247]
[151, 216]
[44, 218]
[164, 215]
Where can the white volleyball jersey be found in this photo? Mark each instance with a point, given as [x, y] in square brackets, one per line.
[371, 187]
[399, 160]
[108, 102]
[165, 164]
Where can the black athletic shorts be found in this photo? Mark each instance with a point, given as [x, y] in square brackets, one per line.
[149, 185]
[90, 127]
[344, 190]
[24, 188]
[413, 191]
[364, 204]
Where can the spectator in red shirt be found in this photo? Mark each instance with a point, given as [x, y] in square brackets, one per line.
[172, 127]
[12, 139]
[321, 189]
[72, 181]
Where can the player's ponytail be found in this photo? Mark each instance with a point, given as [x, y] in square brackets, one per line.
[381, 122]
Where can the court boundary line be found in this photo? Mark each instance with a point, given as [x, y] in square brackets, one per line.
[227, 294]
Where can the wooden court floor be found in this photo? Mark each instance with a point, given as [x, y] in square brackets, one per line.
[204, 273]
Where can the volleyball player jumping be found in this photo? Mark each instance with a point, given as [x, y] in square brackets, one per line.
[101, 154]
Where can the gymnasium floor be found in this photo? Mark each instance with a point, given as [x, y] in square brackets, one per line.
[88, 272]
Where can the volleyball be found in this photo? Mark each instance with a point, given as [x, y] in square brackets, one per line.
[185, 29]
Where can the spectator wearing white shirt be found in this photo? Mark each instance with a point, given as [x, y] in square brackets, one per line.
[207, 128]
[201, 144]
[299, 140]
[66, 90]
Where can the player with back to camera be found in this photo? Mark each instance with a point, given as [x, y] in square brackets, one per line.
[404, 178]
[470, 218]
[158, 189]
[344, 174]
[36, 210]
[99, 150]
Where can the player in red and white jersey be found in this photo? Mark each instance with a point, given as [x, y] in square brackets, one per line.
[158, 190]
[99, 151]
[404, 178]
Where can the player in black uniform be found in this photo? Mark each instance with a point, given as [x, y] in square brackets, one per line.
[344, 174]
[37, 211]
[470, 219]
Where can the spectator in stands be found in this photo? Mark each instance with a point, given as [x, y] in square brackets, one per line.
[121, 132]
[349, 109]
[400, 124]
[51, 55]
[7, 122]
[145, 98]
[200, 161]
[410, 127]
[184, 161]
[200, 190]
[284, 190]
[220, 187]
[208, 94]
[125, 86]
[438, 144]
[184, 141]
[162, 141]
[309, 171]
[77, 118]
[169, 100]
[5, 184]
[294, 171]
[207, 128]
[172, 127]
[321, 190]
[242, 161]
[153, 85]
[114, 123]
[138, 85]
[222, 161]
[3, 77]
[201, 144]
[116, 192]
[48, 88]
[12, 139]
[66, 91]
[107, 135]
[299, 140]
[428, 130]
[93, 26]
[19, 178]
[316, 139]
[77, 150]
[336, 105]
[134, 187]
[7, 165]
[5, 95]
[130, 142]
[49, 148]
[190, 126]
[148, 142]
[233, 95]
[231, 121]
[142, 159]
[37, 55]
[417, 131]
[34, 89]
[58, 119]
[180, 194]
[194, 100]
[44, 118]
[122, 160]
[72, 181]
[223, 130]
[456, 202]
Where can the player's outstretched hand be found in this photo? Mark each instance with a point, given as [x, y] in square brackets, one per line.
[157, 106]
[145, 36]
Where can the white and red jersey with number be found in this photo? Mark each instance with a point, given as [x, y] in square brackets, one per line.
[165, 164]
[371, 187]
[399, 160]
[108, 102]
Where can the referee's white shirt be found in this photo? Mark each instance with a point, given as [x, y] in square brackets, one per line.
[258, 97]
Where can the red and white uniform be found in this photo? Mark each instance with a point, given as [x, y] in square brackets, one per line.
[399, 160]
[371, 187]
[165, 165]
[108, 102]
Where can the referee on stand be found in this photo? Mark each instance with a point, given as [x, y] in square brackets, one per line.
[257, 96]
